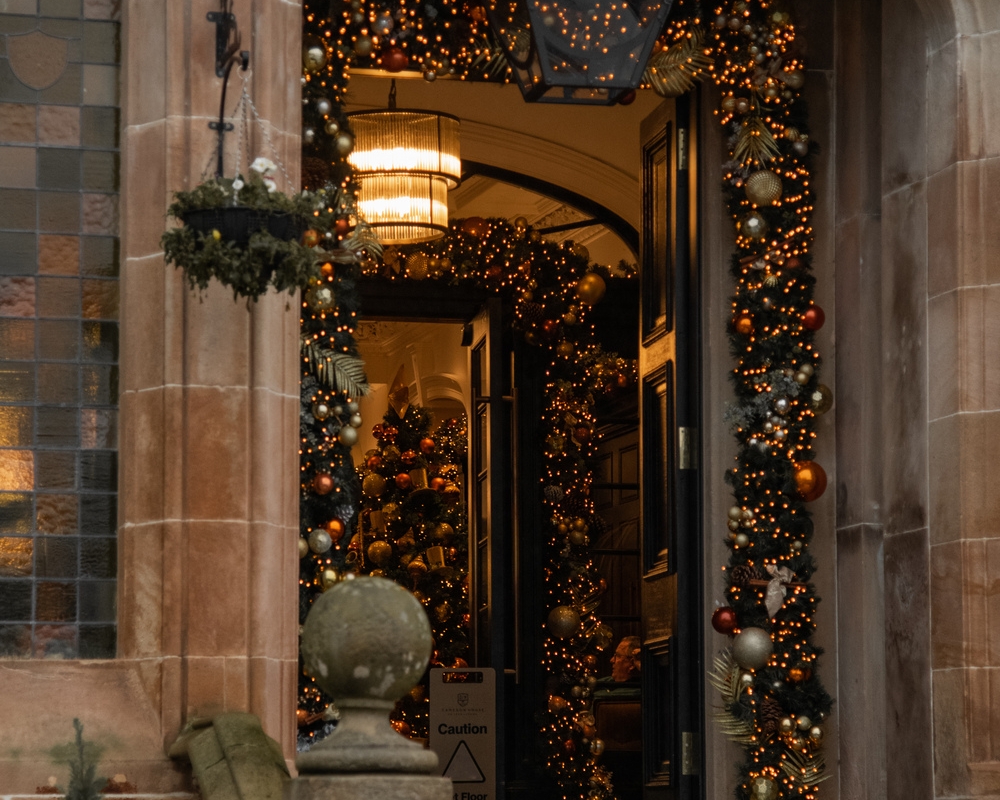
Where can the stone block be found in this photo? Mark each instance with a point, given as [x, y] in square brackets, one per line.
[368, 787]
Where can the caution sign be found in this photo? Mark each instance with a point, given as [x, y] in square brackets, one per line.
[463, 730]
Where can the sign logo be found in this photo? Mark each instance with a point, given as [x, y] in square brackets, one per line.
[463, 699]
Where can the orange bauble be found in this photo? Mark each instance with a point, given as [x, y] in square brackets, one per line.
[403, 481]
[310, 238]
[335, 528]
[810, 480]
[744, 324]
[799, 674]
[426, 445]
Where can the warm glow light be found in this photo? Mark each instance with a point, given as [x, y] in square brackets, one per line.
[405, 162]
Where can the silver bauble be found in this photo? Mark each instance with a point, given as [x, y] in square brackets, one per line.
[752, 648]
[332, 127]
[348, 436]
[308, 135]
[762, 788]
[355, 421]
[313, 54]
[324, 106]
[320, 541]
[753, 226]
[344, 143]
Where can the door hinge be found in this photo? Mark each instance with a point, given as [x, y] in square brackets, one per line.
[689, 754]
[682, 148]
[687, 448]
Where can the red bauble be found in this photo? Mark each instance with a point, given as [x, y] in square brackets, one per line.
[814, 318]
[724, 620]
[373, 462]
[437, 483]
[426, 445]
[793, 263]
[550, 329]
[395, 60]
[627, 99]
[322, 483]
[342, 227]
[474, 226]
[409, 457]
[403, 481]
[390, 432]
[581, 433]
[378, 431]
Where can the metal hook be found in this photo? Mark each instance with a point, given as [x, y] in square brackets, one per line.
[227, 55]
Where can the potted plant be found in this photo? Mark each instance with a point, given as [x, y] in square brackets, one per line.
[247, 235]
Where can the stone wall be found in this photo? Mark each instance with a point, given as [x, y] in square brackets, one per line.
[208, 511]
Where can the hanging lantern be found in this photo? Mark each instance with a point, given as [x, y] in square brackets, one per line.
[405, 162]
[574, 51]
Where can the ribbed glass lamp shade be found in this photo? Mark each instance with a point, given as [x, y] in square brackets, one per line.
[404, 208]
[405, 162]
[578, 51]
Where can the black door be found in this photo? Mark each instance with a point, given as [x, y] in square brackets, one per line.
[668, 412]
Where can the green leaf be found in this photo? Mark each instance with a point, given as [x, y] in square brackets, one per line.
[341, 372]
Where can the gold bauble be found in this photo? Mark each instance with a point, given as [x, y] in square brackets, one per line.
[303, 548]
[328, 578]
[563, 622]
[321, 298]
[763, 188]
[591, 288]
[580, 251]
[390, 511]
[821, 399]
[417, 266]
[442, 531]
[372, 485]
[564, 348]
[380, 552]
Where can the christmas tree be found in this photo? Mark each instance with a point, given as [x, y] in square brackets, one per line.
[413, 529]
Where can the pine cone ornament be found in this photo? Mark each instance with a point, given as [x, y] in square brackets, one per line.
[532, 313]
[770, 716]
[741, 575]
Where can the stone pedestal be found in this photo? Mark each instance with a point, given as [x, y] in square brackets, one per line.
[369, 786]
[366, 641]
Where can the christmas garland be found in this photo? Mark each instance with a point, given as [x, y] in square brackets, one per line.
[773, 699]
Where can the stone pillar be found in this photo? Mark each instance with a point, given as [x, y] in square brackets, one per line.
[209, 388]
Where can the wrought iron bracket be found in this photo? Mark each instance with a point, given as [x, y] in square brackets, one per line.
[227, 55]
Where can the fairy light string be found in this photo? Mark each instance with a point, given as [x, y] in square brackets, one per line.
[777, 709]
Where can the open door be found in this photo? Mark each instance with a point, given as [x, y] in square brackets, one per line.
[492, 543]
[668, 409]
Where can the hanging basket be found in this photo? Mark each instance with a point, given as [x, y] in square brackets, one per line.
[237, 224]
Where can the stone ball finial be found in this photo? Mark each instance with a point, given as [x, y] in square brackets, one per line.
[367, 642]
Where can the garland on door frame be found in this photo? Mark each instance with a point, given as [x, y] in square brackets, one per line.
[774, 703]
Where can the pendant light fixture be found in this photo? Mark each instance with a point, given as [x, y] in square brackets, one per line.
[577, 51]
[405, 162]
